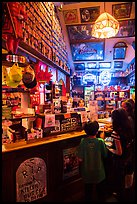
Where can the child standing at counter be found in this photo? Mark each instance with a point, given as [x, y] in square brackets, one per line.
[91, 153]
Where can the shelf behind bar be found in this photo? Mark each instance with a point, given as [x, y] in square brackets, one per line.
[36, 54]
[24, 47]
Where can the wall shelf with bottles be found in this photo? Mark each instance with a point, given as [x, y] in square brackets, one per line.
[109, 100]
[42, 31]
[112, 95]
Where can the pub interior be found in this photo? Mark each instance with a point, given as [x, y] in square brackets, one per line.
[63, 64]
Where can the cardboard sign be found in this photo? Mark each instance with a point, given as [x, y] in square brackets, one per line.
[49, 120]
[84, 116]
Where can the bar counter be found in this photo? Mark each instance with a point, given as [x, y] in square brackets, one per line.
[59, 179]
[49, 139]
[48, 155]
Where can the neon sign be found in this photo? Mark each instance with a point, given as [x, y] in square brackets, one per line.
[89, 78]
[105, 78]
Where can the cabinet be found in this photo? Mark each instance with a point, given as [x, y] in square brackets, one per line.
[109, 100]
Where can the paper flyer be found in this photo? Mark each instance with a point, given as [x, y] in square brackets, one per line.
[49, 120]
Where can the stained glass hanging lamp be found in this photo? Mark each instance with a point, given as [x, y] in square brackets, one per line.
[106, 26]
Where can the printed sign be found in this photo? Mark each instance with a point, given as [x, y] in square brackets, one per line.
[49, 120]
[84, 116]
[69, 124]
[31, 180]
[88, 51]
[71, 164]
[93, 107]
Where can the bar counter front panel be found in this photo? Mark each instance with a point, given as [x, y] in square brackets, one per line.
[38, 171]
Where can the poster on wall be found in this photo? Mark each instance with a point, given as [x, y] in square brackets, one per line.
[79, 67]
[70, 163]
[79, 32]
[88, 51]
[70, 16]
[89, 14]
[61, 76]
[31, 180]
[126, 28]
[53, 72]
[121, 10]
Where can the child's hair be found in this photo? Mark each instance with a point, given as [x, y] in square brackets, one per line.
[91, 128]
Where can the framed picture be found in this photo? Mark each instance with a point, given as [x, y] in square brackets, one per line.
[119, 53]
[79, 66]
[79, 32]
[126, 28]
[70, 163]
[119, 50]
[91, 65]
[70, 16]
[88, 51]
[123, 10]
[89, 14]
[105, 65]
[118, 64]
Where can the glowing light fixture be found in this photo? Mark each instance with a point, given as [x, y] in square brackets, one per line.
[105, 78]
[106, 26]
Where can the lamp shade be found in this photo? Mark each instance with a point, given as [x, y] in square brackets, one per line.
[105, 26]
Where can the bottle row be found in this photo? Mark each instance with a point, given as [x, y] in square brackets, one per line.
[43, 32]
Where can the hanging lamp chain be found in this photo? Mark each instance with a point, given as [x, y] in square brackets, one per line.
[104, 7]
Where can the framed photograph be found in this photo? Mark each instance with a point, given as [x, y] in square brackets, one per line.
[79, 32]
[126, 28]
[123, 10]
[105, 65]
[119, 50]
[91, 65]
[79, 66]
[70, 16]
[118, 64]
[89, 14]
[88, 51]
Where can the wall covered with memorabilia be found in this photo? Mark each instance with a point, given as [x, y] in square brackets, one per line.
[82, 42]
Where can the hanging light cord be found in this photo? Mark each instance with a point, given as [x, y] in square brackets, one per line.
[104, 7]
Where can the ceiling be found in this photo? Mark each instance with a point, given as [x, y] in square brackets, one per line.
[83, 48]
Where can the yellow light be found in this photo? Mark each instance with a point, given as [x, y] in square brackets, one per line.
[106, 26]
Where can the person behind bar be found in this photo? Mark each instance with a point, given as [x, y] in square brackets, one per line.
[122, 152]
[91, 152]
